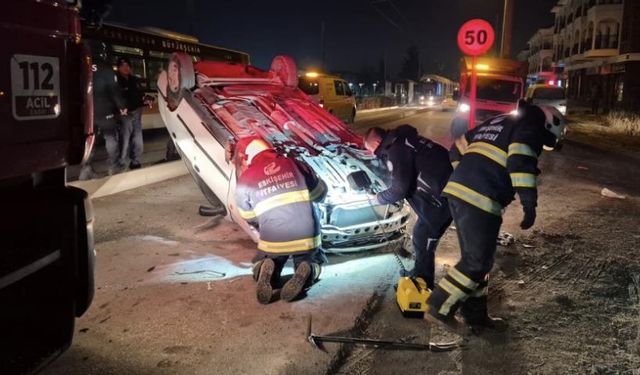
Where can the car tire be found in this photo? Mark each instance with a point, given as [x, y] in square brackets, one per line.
[284, 67]
[180, 77]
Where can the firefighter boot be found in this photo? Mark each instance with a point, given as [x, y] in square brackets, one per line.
[306, 274]
[264, 289]
[448, 322]
[474, 311]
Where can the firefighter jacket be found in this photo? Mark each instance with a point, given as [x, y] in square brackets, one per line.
[419, 167]
[107, 96]
[277, 193]
[495, 160]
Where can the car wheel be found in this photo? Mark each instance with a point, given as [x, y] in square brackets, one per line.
[180, 76]
[285, 68]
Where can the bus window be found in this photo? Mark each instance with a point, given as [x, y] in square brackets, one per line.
[154, 67]
[127, 50]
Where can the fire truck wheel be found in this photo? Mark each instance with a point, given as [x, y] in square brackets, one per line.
[180, 76]
[285, 68]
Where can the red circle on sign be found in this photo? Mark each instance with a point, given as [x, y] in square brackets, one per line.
[476, 37]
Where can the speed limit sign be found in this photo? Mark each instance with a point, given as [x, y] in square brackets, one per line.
[476, 37]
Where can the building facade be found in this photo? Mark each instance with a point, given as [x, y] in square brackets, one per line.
[595, 52]
[540, 56]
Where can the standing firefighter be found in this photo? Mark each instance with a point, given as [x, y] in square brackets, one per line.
[420, 169]
[277, 195]
[495, 160]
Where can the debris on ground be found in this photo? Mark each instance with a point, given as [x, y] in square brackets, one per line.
[611, 194]
[528, 246]
[219, 274]
[151, 268]
[583, 168]
[505, 239]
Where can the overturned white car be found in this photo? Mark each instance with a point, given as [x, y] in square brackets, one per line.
[208, 106]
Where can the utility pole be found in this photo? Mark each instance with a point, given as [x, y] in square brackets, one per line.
[507, 29]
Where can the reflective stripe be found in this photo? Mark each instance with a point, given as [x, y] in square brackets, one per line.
[473, 197]
[455, 295]
[526, 180]
[462, 279]
[247, 215]
[454, 164]
[281, 200]
[290, 246]
[521, 149]
[490, 151]
[480, 292]
[317, 191]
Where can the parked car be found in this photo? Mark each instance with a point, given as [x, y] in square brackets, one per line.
[548, 95]
[208, 106]
[449, 104]
[332, 93]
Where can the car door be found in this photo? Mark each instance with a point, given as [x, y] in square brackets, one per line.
[340, 105]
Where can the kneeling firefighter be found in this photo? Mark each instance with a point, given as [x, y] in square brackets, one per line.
[276, 194]
[493, 162]
[420, 169]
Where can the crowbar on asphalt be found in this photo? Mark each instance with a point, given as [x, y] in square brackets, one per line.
[318, 342]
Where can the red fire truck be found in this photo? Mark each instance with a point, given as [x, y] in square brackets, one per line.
[46, 253]
[500, 85]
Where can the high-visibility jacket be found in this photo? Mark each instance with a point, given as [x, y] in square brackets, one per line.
[419, 167]
[277, 193]
[495, 160]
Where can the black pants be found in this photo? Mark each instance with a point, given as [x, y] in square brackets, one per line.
[477, 233]
[434, 218]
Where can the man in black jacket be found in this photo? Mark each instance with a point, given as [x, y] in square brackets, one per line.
[420, 169]
[131, 129]
[108, 103]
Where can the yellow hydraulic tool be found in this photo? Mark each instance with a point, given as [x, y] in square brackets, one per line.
[411, 296]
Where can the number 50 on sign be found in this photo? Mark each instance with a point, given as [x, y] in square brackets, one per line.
[476, 37]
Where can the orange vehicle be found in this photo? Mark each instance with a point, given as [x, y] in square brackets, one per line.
[46, 257]
[500, 85]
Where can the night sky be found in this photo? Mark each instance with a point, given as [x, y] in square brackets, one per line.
[356, 33]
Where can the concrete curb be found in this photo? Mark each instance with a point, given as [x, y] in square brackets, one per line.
[373, 110]
[394, 117]
[132, 179]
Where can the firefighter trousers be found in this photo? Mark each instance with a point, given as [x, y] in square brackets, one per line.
[466, 283]
[434, 218]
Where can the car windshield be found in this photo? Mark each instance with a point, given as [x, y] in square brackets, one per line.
[549, 93]
[498, 90]
[309, 87]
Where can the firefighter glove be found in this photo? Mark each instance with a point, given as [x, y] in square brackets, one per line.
[529, 217]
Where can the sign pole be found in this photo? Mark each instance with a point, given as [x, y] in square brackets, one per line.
[472, 92]
[475, 38]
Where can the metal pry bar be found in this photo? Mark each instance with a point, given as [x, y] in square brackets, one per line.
[318, 341]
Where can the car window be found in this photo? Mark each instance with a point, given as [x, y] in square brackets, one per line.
[347, 89]
[309, 87]
[339, 88]
[551, 93]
